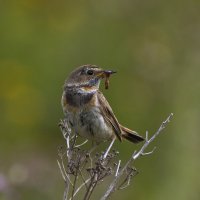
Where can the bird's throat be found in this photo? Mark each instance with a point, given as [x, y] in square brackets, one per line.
[79, 97]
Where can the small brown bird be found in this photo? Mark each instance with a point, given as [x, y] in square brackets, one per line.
[87, 110]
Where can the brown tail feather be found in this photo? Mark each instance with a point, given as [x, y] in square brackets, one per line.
[130, 135]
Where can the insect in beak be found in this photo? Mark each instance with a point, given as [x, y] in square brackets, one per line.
[106, 75]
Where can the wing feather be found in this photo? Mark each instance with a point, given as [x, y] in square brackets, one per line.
[109, 115]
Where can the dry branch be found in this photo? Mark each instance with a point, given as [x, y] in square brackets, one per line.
[83, 170]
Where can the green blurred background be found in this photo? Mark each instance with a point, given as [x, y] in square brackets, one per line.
[154, 46]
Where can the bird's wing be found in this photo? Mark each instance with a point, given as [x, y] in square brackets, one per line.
[109, 115]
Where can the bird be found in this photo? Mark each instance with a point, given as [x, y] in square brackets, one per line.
[87, 111]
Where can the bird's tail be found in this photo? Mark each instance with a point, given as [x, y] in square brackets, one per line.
[130, 135]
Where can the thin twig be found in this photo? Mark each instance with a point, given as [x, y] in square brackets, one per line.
[68, 146]
[127, 179]
[91, 187]
[112, 186]
[75, 176]
[107, 151]
[148, 141]
[148, 153]
[66, 192]
[64, 170]
[67, 181]
[61, 171]
[128, 183]
[74, 141]
[81, 144]
[80, 187]
[118, 166]
[64, 173]
[91, 191]
[84, 181]
[74, 184]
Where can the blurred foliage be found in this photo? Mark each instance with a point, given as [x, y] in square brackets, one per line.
[154, 46]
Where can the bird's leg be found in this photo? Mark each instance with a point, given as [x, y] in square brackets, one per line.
[108, 149]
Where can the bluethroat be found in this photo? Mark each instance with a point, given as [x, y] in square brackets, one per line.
[86, 109]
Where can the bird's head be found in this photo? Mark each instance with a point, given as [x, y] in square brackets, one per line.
[87, 76]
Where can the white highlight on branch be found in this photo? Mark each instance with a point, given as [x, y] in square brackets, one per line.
[107, 151]
[118, 166]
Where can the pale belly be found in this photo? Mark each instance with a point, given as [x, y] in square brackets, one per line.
[91, 125]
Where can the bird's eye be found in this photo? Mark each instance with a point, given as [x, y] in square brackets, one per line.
[90, 72]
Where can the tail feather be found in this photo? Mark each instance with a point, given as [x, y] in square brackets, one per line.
[130, 135]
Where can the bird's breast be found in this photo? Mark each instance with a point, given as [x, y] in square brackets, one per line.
[92, 125]
[85, 117]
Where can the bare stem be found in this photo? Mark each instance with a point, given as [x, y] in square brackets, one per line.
[80, 187]
[107, 151]
[113, 185]
[87, 168]
[118, 166]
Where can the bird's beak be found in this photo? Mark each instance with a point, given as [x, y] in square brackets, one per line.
[106, 73]
[109, 72]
